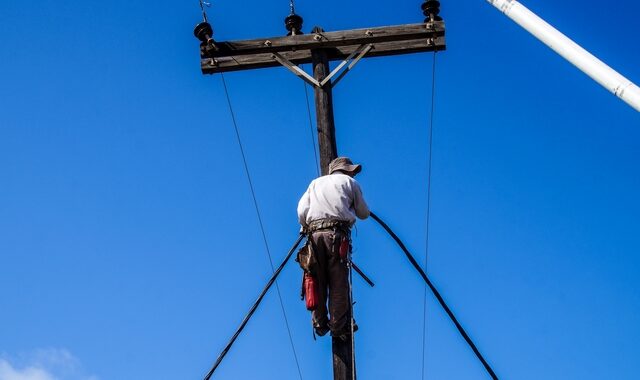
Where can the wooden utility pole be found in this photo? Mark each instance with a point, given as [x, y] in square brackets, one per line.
[319, 48]
[324, 110]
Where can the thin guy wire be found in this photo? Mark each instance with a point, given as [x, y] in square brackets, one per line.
[426, 255]
[353, 338]
[264, 235]
[313, 138]
[204, 13]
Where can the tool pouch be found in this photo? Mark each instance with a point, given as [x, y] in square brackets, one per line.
[310, 290]
[307, 258]
[345, 247]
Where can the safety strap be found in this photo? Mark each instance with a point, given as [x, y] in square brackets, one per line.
[326, 224]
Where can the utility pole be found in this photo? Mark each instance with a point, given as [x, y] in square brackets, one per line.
[324, 110]
[319, 48]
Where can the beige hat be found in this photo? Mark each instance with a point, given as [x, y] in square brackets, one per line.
[344, 164]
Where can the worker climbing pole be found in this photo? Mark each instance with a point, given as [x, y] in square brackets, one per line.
[327, 211]
[328, 235]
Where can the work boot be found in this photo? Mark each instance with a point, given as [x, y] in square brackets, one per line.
[321, 330]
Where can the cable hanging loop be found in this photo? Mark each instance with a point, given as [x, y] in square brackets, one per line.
[253, 308]
[259, 217]
[437, 295]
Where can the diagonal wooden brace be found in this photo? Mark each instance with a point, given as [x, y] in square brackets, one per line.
[340, 45]
[296, 70]
[360, 52]
[352, 64]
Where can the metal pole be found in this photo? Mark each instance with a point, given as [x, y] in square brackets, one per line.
[572, 52]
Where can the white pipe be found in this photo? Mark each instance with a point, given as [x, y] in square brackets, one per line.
[572, 52]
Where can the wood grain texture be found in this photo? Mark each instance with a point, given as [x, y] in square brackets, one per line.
[320, 40]
[257, 61]
[324, 111]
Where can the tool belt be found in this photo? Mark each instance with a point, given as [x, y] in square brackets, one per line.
[308, 261]
[309, 264]
[306, 256]
[328, 224]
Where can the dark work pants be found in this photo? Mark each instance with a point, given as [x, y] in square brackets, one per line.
[333, 282]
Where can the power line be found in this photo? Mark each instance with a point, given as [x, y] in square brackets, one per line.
[253, 309]
[313, 139]
[437, 294]
[264, 235]
[428, 212]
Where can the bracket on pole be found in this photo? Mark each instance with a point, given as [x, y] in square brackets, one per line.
[296, 70]
[363, 50]
[258, 53]
[351, 60]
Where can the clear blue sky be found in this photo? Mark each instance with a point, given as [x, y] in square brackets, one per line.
[130, 249]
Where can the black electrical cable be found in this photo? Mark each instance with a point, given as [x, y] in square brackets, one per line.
[352, 321]
[313, 138]
[437, 295]
[253, 308]
[264, 235]
[428, 216]
[204, 13]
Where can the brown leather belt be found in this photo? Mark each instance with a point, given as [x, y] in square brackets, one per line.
[328, 224]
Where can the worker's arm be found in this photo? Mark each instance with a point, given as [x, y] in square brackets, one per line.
[303, 208]
[359, 204]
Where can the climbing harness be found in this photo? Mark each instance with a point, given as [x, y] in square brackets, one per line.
[307, 259]
[328, 224]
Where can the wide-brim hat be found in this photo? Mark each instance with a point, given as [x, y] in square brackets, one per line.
[344, 164]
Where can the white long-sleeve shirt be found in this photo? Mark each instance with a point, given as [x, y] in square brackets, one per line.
[334, 196]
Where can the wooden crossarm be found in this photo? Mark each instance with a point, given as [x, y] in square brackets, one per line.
[264, 60]
[325, 40]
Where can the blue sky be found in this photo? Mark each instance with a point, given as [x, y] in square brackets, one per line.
[130, 249]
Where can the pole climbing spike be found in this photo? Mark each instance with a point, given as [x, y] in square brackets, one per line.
[293, 22]
[431, 10]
